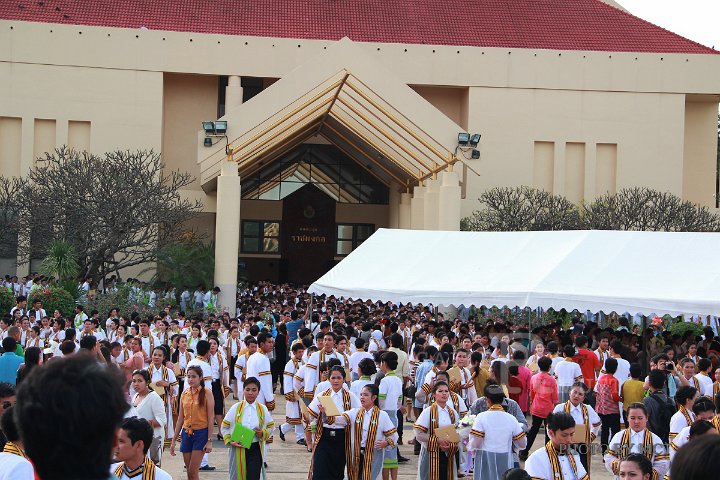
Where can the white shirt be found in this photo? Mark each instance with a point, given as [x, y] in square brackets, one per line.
[390, 392]
[152, 407]
[355, 360]
[538, 466]
[160, 474]
[337, 398]
[258, 366]
[678, 422]
[443, 417]
[623, 371]
[677, 442]
[706, 385]
[576, 412]
[325, 384]
[496, 431]
[358, 385]
[15, 467]
[207, 371]
[567, 372]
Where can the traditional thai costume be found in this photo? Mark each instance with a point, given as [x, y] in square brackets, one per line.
[247, 463]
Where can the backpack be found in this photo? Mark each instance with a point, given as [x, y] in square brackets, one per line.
[663, 412]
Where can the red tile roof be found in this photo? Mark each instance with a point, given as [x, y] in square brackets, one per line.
[539, 24]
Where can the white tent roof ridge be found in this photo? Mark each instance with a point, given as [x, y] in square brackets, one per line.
[598, 270]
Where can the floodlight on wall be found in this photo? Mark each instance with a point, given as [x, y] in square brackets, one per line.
[209, 127]
[221, 127]
[215, 129]
[474, 140]
[463, 139]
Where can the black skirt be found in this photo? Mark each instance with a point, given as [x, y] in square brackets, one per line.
[217, 392]
[253, 462]
[329, 461]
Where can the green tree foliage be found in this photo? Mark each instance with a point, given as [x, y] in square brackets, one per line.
[54, 298]
[186, 264]
[60, 261]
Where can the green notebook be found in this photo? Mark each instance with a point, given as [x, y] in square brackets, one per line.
[243, 435]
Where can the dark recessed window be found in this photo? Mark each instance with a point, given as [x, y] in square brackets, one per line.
[350, 235]
[260, 236]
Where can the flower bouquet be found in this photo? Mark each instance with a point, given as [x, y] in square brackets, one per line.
[464, 426]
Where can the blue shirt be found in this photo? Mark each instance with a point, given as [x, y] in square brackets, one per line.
[9, 364]
[292, 329]
[420, 373]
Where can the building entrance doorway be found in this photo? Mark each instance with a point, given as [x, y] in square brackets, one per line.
[308, 235]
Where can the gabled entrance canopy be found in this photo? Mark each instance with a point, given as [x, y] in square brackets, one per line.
[346, 98]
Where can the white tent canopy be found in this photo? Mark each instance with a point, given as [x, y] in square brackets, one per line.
[637, 272]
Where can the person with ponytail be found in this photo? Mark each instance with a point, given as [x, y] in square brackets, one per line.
[197, 410]
[331, 442]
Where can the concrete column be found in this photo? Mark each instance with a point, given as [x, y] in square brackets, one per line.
[404, 211]
[449, 201]
[432, 200]
[233, 93]
[394, 206]
[227, 235]
[417, 208]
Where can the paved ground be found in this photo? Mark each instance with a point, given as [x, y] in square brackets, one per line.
[288, 460]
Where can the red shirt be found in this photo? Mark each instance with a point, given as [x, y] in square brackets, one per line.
[588, 362]
[524, 375]
[543, 394]
[607, 395]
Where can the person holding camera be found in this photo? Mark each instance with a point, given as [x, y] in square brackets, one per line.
[673, 380]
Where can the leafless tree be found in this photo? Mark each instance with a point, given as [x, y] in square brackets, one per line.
[522, 208]
[116, 209]
[646, 209]
[12, 203]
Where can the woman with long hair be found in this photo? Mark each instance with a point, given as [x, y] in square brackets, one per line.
[194, 419]
[151, 407]
[33, 359]
[437, 456]
[331, 446]
[164, 377]
[180, 359]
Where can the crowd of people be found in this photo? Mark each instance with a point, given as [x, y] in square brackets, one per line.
[126, 390]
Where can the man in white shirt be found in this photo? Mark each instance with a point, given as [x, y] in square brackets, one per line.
[258, 366]
[198, 296]
[148, 341]
[704, 366]
[553, 460]
[14, 465]
[567, 373]
[357, 357]
[210, 299]
[623, 370]
[133, 442]
[20, 304]
[327, 352]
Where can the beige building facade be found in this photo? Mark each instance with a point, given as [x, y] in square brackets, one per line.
[328, 140]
